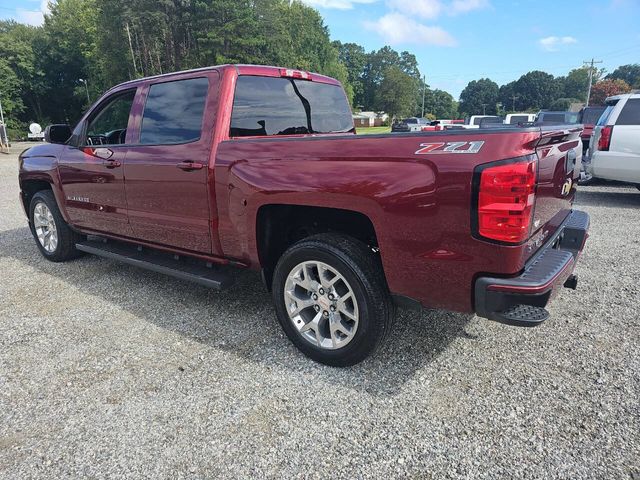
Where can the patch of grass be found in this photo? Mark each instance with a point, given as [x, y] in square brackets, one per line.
[370, 130]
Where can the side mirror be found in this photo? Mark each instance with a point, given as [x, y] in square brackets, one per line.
[57, 133]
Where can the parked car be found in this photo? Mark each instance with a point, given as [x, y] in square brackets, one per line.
[615, 143]
[588, 117]
[517, 118]
[412, 124]
[557, 118]
[260, 168]
[474, 120]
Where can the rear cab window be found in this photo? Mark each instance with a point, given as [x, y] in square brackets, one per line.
[518, 118]
[173, 112]
[265, 106]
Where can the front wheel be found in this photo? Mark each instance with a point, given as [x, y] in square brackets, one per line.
[332, 300]
[53, 236]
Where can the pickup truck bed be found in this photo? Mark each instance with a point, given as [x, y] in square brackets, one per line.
[467, 220]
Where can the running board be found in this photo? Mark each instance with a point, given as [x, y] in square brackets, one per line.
[176, 266]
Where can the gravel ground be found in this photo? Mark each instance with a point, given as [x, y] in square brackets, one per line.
[111, 371]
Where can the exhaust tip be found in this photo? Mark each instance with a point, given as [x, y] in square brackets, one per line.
[571, 282]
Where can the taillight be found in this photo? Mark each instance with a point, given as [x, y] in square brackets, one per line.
[605, 137]
[288, 72]
[506, 196]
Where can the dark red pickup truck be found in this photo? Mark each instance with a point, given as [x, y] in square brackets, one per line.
[260, 167]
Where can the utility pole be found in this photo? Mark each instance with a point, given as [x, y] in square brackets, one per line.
[513, 102]
[589, 64]
[484, 108]
[424, 89]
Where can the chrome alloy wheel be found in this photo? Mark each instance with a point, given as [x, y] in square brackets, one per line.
[321, 305]
[45, 227]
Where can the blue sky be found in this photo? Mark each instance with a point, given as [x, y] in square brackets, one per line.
[457, 41]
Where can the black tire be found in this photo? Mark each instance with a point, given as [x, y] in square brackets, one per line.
[67, 238]
[363, 270]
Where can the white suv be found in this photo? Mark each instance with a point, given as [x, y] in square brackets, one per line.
[615, 142]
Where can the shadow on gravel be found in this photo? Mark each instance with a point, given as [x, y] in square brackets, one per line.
[241, 320]
[624, 198]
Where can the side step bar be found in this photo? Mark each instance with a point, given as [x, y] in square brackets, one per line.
[147, 258]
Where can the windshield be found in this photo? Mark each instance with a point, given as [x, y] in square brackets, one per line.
[287, 106]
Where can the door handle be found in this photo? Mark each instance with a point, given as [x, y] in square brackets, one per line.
[111, 163]
[190, 165]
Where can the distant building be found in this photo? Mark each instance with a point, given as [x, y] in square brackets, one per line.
[369, 119]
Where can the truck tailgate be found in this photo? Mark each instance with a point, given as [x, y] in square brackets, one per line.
[559, 152]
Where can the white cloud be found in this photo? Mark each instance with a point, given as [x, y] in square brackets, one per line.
[30, 17]
[464, 6]
[33, 17]
[553, 43]
[337, 4]
[434, 8]
[396, 28]
[420, 8]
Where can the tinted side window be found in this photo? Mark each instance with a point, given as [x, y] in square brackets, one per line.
[109, 125]
[173, 112]
[630, 114]
[286, 106]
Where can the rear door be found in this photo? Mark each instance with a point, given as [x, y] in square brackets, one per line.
[167, 171]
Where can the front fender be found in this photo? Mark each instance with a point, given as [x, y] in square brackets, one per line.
[37, 165]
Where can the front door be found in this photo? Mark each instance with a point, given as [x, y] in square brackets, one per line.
[167, 170]
[92, 174]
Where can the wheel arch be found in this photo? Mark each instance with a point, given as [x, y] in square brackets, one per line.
[278, 226]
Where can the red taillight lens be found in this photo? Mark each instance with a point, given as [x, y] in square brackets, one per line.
[605, 138]
[506, 195]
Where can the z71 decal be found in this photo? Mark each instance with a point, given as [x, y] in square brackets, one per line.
[450, 147]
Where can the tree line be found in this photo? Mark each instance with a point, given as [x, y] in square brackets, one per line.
[86, 46]
[538, 90]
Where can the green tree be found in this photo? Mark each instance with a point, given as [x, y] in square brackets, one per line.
[536, 90]
[354, 58]
[441, 104]
[629, 73]
[563, 104]
[574, 84]
[478, 97]
[378, 63]
[396, 94]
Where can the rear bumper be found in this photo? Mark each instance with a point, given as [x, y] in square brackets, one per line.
[521, 300]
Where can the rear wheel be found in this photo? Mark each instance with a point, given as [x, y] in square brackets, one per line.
[331, 299]
[53, 236]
